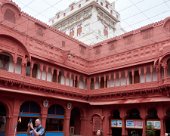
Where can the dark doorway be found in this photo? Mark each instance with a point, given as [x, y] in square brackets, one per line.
[2, 119]
[116, 131]
[75, 122]
[135, 132]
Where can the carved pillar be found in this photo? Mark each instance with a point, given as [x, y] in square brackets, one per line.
[123, 117]
[57, 74]
[161, 115]
[99, 81]
[78, 81]
[12, 119]
[105, 85]
[67, 122]
[143, 114]
[158, 73]
[114, 74]
[120, 76]
[139, 69]
[106, 123]
[151, 71]
[52, 72]
[15, 63]
[44, 113]
[70, 79]
[145, 70]
[94, 82]
[88, 83]
[126, 76]
[46, 71]
[41, 70]
[65, 77]
[31, 68]
[133, 78]
[23, 67]
[165, 67]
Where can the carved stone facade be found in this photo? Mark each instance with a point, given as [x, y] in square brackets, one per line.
[98, 19]
[119, 86]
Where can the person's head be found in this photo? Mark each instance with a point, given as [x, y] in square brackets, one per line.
[98, 132]
[37, 122]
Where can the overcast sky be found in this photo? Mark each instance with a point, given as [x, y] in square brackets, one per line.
[134, 13]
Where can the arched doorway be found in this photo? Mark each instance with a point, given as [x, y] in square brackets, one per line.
[28, 111]
[134, 124]
[153, 121]
[116, 123]
[2, 119]
[75, 122]
[55, 121]
[167, 121]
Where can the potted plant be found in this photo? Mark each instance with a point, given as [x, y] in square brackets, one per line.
[150, 131]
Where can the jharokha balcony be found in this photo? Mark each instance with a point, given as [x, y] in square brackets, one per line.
[87, 88]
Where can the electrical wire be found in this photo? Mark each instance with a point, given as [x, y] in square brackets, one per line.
[124, 21]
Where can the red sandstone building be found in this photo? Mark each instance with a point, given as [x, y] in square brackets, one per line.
[119, 86]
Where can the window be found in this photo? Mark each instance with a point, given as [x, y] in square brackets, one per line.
[105, 31]
[72, 32]
[79, 30]
[4, 61]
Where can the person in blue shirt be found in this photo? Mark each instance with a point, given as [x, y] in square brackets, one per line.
[38, 130]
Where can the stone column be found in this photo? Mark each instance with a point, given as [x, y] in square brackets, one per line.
[114, 74]
[133, 78]
[165, 67]
[46, 71]
[151, 71]
[65, 77]
[143, 114]
[139, 69]
[158, 73]
[145, 70]
[161, 116]
[12, 119]
[23, 68]
[31, 68]
[88, 83]
[44, 113]
[67, 122]
[126, 76]
[106, 122]
[120, 78]
[105, 85]
[123, 117]
[41, 70]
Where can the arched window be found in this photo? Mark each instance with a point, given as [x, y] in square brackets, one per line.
[9, 15]
[28, 111]
[152, 114]
[6, 62]
[30, 107]
[55, 120]
[133, 114]
[116, 114]
[97, 123]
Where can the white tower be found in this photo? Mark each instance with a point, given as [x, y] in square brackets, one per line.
[89, 21]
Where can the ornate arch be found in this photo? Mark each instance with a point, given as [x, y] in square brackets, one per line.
[11, 5]
[8, 39]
